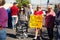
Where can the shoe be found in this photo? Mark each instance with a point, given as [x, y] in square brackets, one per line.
[14, 28]
[35, 38]
[40, 38]
[25, 35]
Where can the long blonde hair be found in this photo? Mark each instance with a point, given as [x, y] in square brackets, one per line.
[51, 10]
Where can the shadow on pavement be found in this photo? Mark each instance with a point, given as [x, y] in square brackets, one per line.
[9, 27]
[11, 35]
[32, 36]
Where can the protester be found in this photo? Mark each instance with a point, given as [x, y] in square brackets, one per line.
[26, 9]
[58, 22]
[3, 20]
[56, 8]
[37, 13]
[9, 18]
[14, 12]
[49, 21]
[31, 11]
[23, 21]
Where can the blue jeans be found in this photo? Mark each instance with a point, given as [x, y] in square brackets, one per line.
[13, 22]
[58, 31]
[3, 34]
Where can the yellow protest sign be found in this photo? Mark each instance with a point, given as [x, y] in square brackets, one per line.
[36, 21]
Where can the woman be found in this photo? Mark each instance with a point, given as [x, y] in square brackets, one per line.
[49, 21]
[3, 20]
[31, 11]
[38, 12]
[23, 22]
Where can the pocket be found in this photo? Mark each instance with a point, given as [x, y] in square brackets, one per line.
[3, 33]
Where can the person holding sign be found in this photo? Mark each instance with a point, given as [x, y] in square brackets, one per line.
[38, 19]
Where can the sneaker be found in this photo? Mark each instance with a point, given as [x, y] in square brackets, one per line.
[35, 38]
[25, 35]
[40, 38]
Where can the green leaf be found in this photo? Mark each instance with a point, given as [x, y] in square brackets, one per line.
[22, 2]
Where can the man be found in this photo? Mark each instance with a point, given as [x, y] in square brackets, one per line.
[14, 12]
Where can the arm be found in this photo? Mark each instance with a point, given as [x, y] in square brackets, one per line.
[16, 20]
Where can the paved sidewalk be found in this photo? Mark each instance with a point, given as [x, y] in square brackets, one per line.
[11, 34]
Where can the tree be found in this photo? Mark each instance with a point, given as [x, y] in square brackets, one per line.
[22, 2]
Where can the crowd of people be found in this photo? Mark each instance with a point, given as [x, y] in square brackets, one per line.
[20, 17]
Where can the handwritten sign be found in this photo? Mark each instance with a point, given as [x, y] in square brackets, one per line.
[36, 21]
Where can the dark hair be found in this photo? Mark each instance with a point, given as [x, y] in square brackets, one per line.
[56, 5]
[14, 3]
[2, 2]
[38, 7]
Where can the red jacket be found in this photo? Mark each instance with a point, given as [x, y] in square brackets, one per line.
[38, 12]
[14, 10]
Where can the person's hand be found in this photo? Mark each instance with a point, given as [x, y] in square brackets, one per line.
[16, 20]
[15, 23]
[1, 27]
[26, 19]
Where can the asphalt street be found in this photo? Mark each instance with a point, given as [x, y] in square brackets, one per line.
[11, 34]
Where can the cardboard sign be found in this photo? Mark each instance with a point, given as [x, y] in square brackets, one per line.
[36, 21]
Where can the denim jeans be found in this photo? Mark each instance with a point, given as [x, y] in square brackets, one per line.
[13, 22]
[3, 34]
[58, 31]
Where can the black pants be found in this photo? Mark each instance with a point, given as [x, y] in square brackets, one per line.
[10, 22]
[50, 32]
[25, 24]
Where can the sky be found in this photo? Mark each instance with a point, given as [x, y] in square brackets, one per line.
[44, 1]
[10, 1]
[37, 1]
